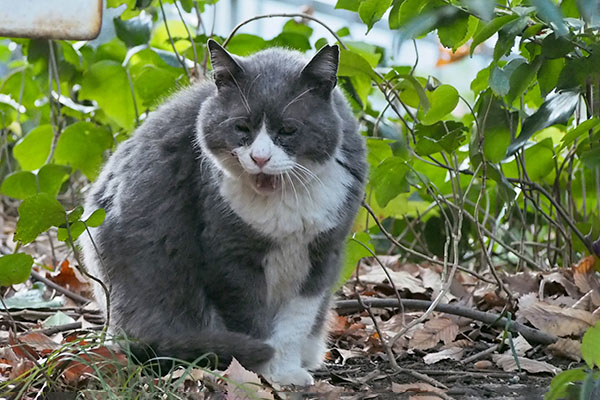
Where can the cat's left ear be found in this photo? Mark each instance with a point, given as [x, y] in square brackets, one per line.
[225, 69]
[321, 71]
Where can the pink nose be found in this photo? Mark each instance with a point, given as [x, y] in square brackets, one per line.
[260, 161]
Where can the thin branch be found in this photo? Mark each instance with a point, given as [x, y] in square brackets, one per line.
[284, 15]
[72, 295]
[493, 319]
[180, 58]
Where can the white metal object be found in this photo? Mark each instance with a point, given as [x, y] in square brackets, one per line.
[51, 19]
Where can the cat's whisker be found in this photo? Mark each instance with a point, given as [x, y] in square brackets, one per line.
[229, 120]
[295, 99]
[309, 173]
[242, 95]
[297, 176]
[294, 189]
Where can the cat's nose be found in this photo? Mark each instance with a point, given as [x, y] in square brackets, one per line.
[259, 160]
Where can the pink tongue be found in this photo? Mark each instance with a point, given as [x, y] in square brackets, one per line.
[264, 181]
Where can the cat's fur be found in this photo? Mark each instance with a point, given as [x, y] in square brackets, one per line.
[202, 249]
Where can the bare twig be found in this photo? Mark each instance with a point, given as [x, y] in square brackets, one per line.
[179, 57]
[493, 319]
[284, 15]
[72, 295]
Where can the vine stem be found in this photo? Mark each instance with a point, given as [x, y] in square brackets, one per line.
[284, 15]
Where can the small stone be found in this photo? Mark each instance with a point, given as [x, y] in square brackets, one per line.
[483, 364]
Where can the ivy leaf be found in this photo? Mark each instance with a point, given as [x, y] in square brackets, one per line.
[134, 31]
[371, 11]
[106, 82]
[36, 215]
[456, 31]
[442, 100]
[19, 185]
[559, 388]
[555, 110]
[388, 180]
[556, 47]
[82, 145]
[488, 30]
[244, 44]
[33, 150]
[298, 27]
[591, 158]
[15, 268]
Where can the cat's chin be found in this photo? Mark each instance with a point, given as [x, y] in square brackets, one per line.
[265, 184]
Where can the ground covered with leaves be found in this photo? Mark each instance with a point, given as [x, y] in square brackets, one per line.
[52, 341]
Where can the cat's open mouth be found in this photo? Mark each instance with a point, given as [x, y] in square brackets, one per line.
[265, 183]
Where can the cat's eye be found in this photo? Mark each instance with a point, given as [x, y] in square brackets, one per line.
[242, 127]
[287, 130]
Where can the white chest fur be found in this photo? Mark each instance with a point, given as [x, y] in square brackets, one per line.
[292, 219]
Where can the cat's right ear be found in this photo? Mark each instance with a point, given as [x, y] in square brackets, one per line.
[225, 69]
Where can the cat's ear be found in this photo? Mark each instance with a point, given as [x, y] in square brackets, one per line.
[321, 71]
[225, 69]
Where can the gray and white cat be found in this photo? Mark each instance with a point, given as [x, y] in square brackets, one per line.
[227, 213]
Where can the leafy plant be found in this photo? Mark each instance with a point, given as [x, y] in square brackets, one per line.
[507, 180]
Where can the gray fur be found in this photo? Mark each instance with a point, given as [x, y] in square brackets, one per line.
[185, 272]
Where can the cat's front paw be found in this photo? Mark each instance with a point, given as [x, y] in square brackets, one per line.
[291, 376]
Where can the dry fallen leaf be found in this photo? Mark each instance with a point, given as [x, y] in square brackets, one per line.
[432, 332]
[85, 363]
[243, 384]
[556, 320]
[39, 342]
[521, 345]
[507, 363]
[68, 277]
[402, 280]
[452, 353]
[567, 348]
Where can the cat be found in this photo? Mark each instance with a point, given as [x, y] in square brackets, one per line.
[227, 213]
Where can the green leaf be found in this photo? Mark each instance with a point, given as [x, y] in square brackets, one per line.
[590, 346]
[96, 219]
[456, 31]
[33, 150]
[583, 128]
[549, 12]
[244, 44]
[441, 136]
[591, 158]
[19, 185]
[15, 268]
[495, 143]
[154, 84]
[351, 5]
[489, 29]
[388, 180]
[36, 214]
[355, 251]
[290, 40]
[556, 47]
[106, 82]
[32, 298]
[548, 74]
[343, 32]
[371, 11]
[394, 17]
[499, 81]
[442, 100]
[134, 31]
[82, 145]
[555, 110]
[353, 64]
[522, 78]
[77, 228]
[539, 161]
[51, 178]
[562, 382]
[297, 27]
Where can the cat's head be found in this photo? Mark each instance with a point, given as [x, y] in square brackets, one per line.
[273, 116]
